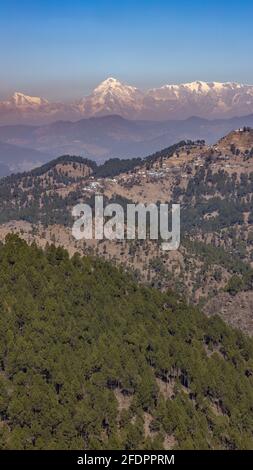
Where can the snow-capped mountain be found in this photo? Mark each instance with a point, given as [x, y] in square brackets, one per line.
[21, 100]
[179, 101]
[112, 97]
[204, 99]
[22, 108]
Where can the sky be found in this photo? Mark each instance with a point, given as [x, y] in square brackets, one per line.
[63, 49]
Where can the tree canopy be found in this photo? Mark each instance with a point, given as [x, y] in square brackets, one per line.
[91, 360]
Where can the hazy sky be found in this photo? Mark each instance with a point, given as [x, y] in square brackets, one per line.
[62, 49]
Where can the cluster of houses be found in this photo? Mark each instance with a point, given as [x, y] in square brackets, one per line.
[159, 171]
[94, 185]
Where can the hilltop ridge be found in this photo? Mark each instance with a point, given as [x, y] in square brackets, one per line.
[239, 140]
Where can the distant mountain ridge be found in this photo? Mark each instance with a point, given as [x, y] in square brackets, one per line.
[102, 138]
[171, 101]
[14, 158]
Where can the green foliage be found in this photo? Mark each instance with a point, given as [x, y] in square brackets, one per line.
[217, 256]
[169, 151]
[73, 332]
[115, 166]
[234, 285]
[237, 284]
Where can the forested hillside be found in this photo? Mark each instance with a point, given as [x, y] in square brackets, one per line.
[214, 186]
[91, 360]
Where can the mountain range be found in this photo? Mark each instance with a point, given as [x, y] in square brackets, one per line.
[179, 101]
[118, 121]
[23, 147]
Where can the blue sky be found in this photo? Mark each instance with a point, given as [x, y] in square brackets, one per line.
[62, 49]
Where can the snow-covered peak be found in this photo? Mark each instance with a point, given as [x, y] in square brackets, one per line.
[112, 85]
[177, 101]
[20, 99]
[110, 82]
[206, 87]
[197, 86]
[111, 97]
